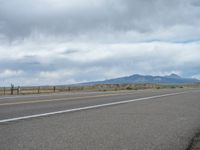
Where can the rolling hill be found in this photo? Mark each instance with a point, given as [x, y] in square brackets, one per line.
[140, 79]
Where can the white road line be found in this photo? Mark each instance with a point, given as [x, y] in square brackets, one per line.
[89, 107]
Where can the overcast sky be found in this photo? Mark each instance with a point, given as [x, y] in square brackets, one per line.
[45, 42]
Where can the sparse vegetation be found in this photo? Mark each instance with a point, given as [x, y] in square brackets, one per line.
[173, 86]
[98, 87]
[129, 88]
[158, 87]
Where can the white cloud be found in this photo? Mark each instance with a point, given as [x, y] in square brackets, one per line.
[60, 62]
[197, 76]
[56, 74]
[10, 73]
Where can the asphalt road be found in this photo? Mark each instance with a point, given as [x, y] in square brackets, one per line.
[125, 120]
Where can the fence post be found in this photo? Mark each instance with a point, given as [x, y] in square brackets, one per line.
[12, 88]
[38, 89]
[4, 91]
[18, 90]
[54, 89]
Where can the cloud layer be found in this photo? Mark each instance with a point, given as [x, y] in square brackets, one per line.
[62, 42]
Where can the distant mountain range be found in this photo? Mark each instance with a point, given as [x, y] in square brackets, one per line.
[140, 79]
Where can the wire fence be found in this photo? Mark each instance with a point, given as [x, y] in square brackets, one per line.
[36, 90]
[17, 90]
[21, 90]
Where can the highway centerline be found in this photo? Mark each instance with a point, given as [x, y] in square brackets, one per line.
[45, 95]
[88, 107]
[63, 99]
[58, 94]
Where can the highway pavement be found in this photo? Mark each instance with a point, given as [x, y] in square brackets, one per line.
[122, 120]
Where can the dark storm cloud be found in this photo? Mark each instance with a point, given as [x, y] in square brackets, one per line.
[21, 18]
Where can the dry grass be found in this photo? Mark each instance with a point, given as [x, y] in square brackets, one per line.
[98, 87]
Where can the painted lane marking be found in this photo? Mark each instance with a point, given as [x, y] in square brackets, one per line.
[88, 107]
[56, 94]
[58, 99]
[46, 95]
[62, 99]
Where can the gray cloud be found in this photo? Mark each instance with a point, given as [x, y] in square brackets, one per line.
[22, 18]
[57, 41]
